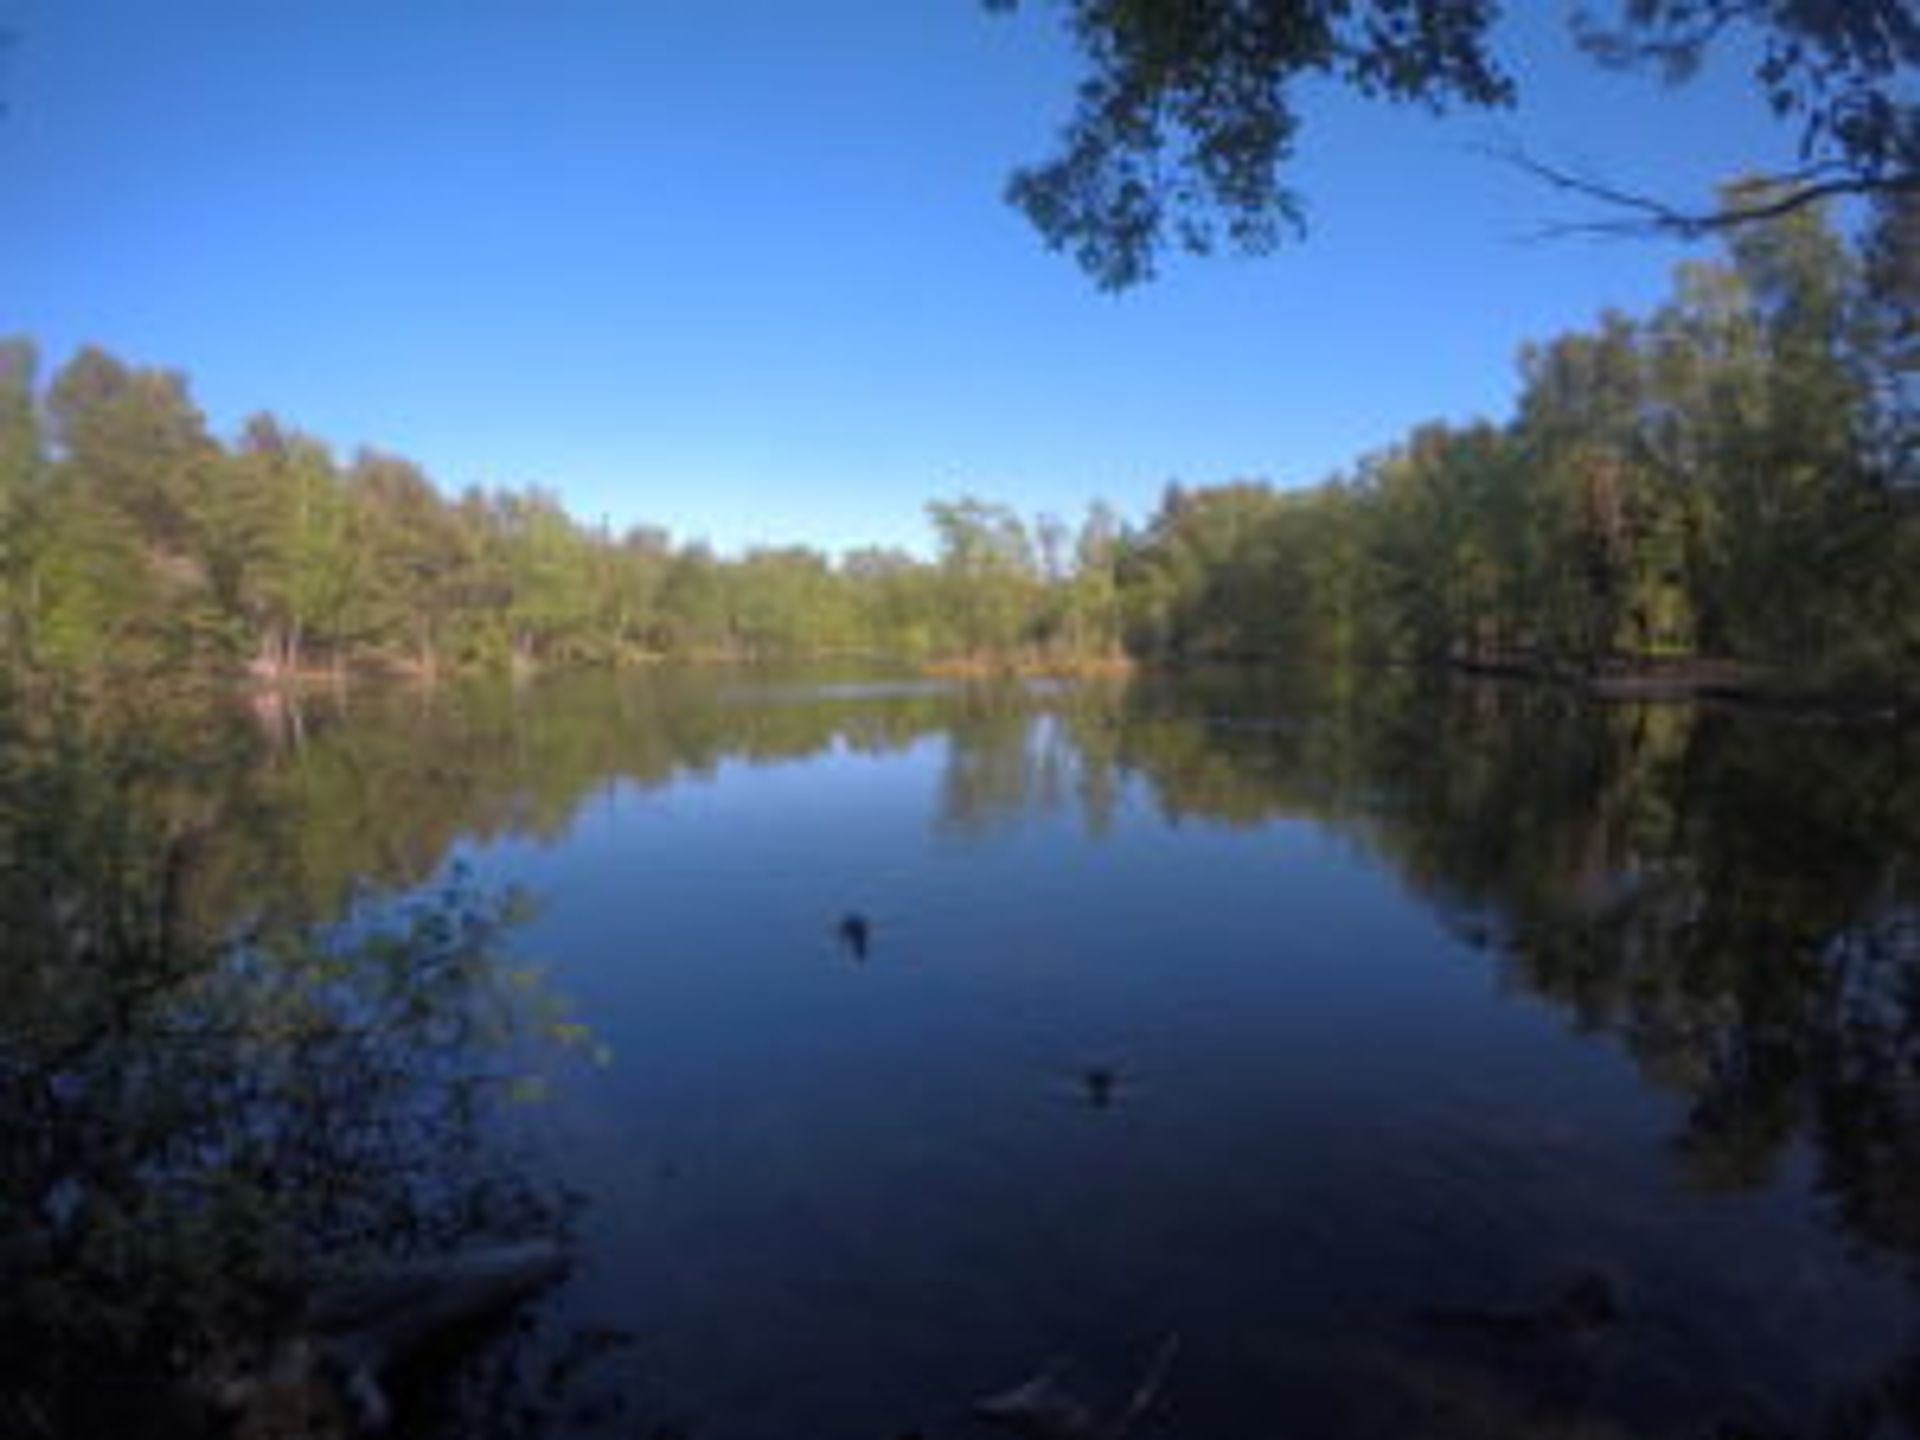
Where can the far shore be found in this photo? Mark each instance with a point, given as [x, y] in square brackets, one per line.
[1660, 679]
[1619, 679]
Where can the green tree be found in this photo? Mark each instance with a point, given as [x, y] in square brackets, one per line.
[23, 467]
[122, 575]
[787, 601]
[550, 607]
[1601, 524]
[990, 576]
[1204, 576]
[311, 563]
[1093, 608]
[895, 600]
[420, 557]
[630, 598]
[696, 617]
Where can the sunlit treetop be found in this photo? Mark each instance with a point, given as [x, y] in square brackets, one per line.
[1185, 118]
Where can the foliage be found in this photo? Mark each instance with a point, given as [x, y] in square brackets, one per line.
[203, 1112]
[1182, 127]
[1726, 479]
[1186, 119]
[137, 544]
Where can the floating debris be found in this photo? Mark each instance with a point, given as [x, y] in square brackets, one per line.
[1044, 1409]
[856, 934]
[1099, 1081]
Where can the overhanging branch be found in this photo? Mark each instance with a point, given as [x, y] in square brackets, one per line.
[1637, 214]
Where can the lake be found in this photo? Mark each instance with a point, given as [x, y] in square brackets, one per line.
[1360, 1055]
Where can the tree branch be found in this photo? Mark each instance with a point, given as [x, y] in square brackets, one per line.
[1642, 215]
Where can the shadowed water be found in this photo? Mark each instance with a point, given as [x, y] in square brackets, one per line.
[1429, 1059]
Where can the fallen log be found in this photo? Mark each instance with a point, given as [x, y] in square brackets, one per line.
[328, 1382]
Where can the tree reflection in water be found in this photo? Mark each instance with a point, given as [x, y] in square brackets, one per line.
[199, 1104]
[1734, 896]
[204, 1119]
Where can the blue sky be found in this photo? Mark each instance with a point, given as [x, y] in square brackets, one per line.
[742, 268]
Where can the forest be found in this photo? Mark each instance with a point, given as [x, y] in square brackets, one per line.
[1733, 480]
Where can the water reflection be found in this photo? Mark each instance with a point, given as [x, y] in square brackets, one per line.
[1732, 899]
[214, 1127]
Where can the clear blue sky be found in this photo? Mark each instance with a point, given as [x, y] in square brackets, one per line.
[741, 267]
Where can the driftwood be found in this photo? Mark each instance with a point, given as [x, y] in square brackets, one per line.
[1584, 1307]
[328, 1382]
[1044, 1409]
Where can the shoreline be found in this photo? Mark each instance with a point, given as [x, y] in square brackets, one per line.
[1694, 681]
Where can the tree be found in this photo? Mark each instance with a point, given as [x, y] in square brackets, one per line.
[990, 571]
[1186, 120]
[1205, 577]
[420, 554]
[1838, 69]
[551, 603]
[896, 607]
[311, 561]
[695, 608]
[1889, 339]
[22, 472]
[136, 437]
[122, 573]
[787, 602]
[630, 593]
[1094, 591]
[205, 1116]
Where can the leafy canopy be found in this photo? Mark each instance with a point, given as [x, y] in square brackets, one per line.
[1186, 118]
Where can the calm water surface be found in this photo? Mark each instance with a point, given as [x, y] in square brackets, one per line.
[1341, 1029]
[1337, 1030]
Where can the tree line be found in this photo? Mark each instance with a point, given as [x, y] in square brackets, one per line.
[1734, 477]
[133, 540]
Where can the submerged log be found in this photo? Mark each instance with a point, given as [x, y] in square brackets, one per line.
[1585, 1306]
[328, 1383]
[1675, 683]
